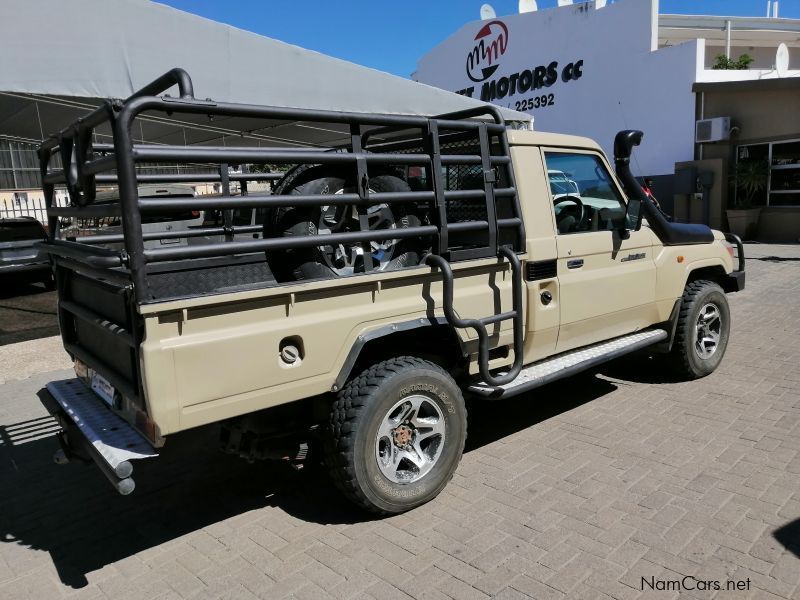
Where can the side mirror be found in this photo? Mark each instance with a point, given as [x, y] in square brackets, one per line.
[633, 218]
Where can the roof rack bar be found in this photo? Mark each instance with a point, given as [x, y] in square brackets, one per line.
[175, 76]
[178, 154]
[449, 123]
[286, 243]
[171, 235]
[465, 226]
[119, 275]
[95, 257]
[478, 111]
[135, 105]
[269, 201]
[98, 165]
[191, 178]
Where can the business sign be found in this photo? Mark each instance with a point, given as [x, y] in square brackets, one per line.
[525, 89]
[490, 44]
[584, 69]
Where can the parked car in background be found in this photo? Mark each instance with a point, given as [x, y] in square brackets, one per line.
[153, 223]
[18, 254]
[561, 184]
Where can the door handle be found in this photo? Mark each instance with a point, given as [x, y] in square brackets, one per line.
[575, 263]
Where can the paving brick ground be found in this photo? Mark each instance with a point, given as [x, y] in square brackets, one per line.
[579, 490]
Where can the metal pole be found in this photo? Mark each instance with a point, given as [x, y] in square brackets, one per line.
[129, 201]
[728, 39]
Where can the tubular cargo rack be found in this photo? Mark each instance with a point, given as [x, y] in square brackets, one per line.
[473, 141]
[86, 164]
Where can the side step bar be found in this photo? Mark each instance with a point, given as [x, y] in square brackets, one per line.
[569, 363]
[92, 430]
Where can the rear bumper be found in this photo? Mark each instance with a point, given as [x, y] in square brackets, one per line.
[91, 431]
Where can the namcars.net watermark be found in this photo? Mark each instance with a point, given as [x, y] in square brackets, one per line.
[690, 582]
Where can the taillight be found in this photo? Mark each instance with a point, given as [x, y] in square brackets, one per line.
[195, 214]
[729, 248]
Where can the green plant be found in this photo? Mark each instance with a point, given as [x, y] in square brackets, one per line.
[722, 62]
[750, 177]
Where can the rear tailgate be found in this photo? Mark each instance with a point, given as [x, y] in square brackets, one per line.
[102, 331]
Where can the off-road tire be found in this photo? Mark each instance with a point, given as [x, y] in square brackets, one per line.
[352, 432]
[684, 358]
[308, 263]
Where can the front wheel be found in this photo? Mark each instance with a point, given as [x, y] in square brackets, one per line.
[396, 435]
[703, 329]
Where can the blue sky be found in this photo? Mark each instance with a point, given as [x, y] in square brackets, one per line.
[391, 36]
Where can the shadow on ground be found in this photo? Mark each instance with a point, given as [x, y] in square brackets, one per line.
[774, 258]
[27, 310]
[640, 367]
[72, 512]
[15, 286]
[789, 536]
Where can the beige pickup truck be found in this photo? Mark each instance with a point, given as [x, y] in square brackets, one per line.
[419, 261]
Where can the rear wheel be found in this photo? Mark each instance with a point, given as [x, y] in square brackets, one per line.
[396, 435]
[703, 329]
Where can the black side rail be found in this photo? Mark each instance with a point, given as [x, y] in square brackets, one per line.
[737, 241]
[479, 325]
[93, 257]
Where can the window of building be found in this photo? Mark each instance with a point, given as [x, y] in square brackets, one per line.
[783, 172]
[19, 165]
[784, 186]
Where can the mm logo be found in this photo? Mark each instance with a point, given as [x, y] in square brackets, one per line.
[490, 44]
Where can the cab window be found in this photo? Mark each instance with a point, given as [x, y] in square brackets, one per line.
[584, 196]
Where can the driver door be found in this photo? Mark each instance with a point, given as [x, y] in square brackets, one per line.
[607, 283]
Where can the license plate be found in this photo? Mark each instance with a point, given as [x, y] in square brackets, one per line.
[102, 388]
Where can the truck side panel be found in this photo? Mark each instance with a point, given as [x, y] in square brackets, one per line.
[674, 264]
[540, 272]
[204, 364]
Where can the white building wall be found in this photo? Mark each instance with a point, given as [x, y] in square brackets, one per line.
[624, 83]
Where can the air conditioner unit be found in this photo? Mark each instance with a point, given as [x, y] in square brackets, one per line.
[712, 130]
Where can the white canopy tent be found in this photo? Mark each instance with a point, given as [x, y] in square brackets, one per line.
[61, 57]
